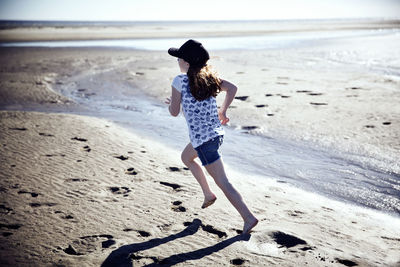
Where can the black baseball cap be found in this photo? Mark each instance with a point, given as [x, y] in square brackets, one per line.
[192, 52]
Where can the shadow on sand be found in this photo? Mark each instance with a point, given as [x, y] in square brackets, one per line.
[124, 255]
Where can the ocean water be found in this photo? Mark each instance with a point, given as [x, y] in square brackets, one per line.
[385, 63]
[257, 42]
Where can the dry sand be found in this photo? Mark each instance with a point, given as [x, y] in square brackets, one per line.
[83, 191]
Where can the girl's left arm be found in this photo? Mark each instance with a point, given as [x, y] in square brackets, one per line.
[230, 90]
[174, 102]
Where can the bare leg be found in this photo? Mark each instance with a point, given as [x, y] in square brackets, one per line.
[188, 156]
[217, 171]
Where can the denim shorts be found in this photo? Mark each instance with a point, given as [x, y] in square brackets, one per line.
[208, 151]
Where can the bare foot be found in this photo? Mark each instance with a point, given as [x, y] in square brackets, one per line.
[249, 225]
[208, 202]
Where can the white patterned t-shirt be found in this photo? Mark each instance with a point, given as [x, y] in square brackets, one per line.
[201, 116]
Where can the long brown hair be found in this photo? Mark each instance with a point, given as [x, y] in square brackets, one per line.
[203, 82]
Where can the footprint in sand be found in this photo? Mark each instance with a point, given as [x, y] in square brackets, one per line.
[210, 229]
[120, 190]
[242, 98]
[89, 244]
[315, 94]
[391, 238]
[140, 232]
[65, 216]
[346, 262]
[165, 227]
[155, 260]
[261, 106]
[303, 91]
[318, 104]
[327, 209]
[68, 217]
[386, 123]
[50, 155]
[174, 169]
[143, 233]
[76, 180]
[9, 227]
[286, 240]
[238, 231]
[46, 134]
[249, 128]
[87, 149]
[131, 171]
[268, 95]
[177, 207]
[79, 139]
[5, 210]
[369, 126]
[15, 226]
[26, 192]
[270, 114]
[295, 213]
[18, 129]
[37, 205]
[237, 261]
[121, 157]
[176, 187]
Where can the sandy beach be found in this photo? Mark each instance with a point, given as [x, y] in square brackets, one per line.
[78, 189]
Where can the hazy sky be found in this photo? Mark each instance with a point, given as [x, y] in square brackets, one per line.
[195, 10]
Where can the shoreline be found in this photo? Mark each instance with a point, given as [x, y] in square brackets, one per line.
[184, 30]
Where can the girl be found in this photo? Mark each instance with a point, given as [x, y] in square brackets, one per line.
[196, 91]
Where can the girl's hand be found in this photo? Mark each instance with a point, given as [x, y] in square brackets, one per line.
[167, 101]
[222, 117]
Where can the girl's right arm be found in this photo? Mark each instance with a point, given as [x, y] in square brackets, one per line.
[230, 90]
[174, 102]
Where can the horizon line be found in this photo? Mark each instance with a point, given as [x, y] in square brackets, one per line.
[211, 20]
